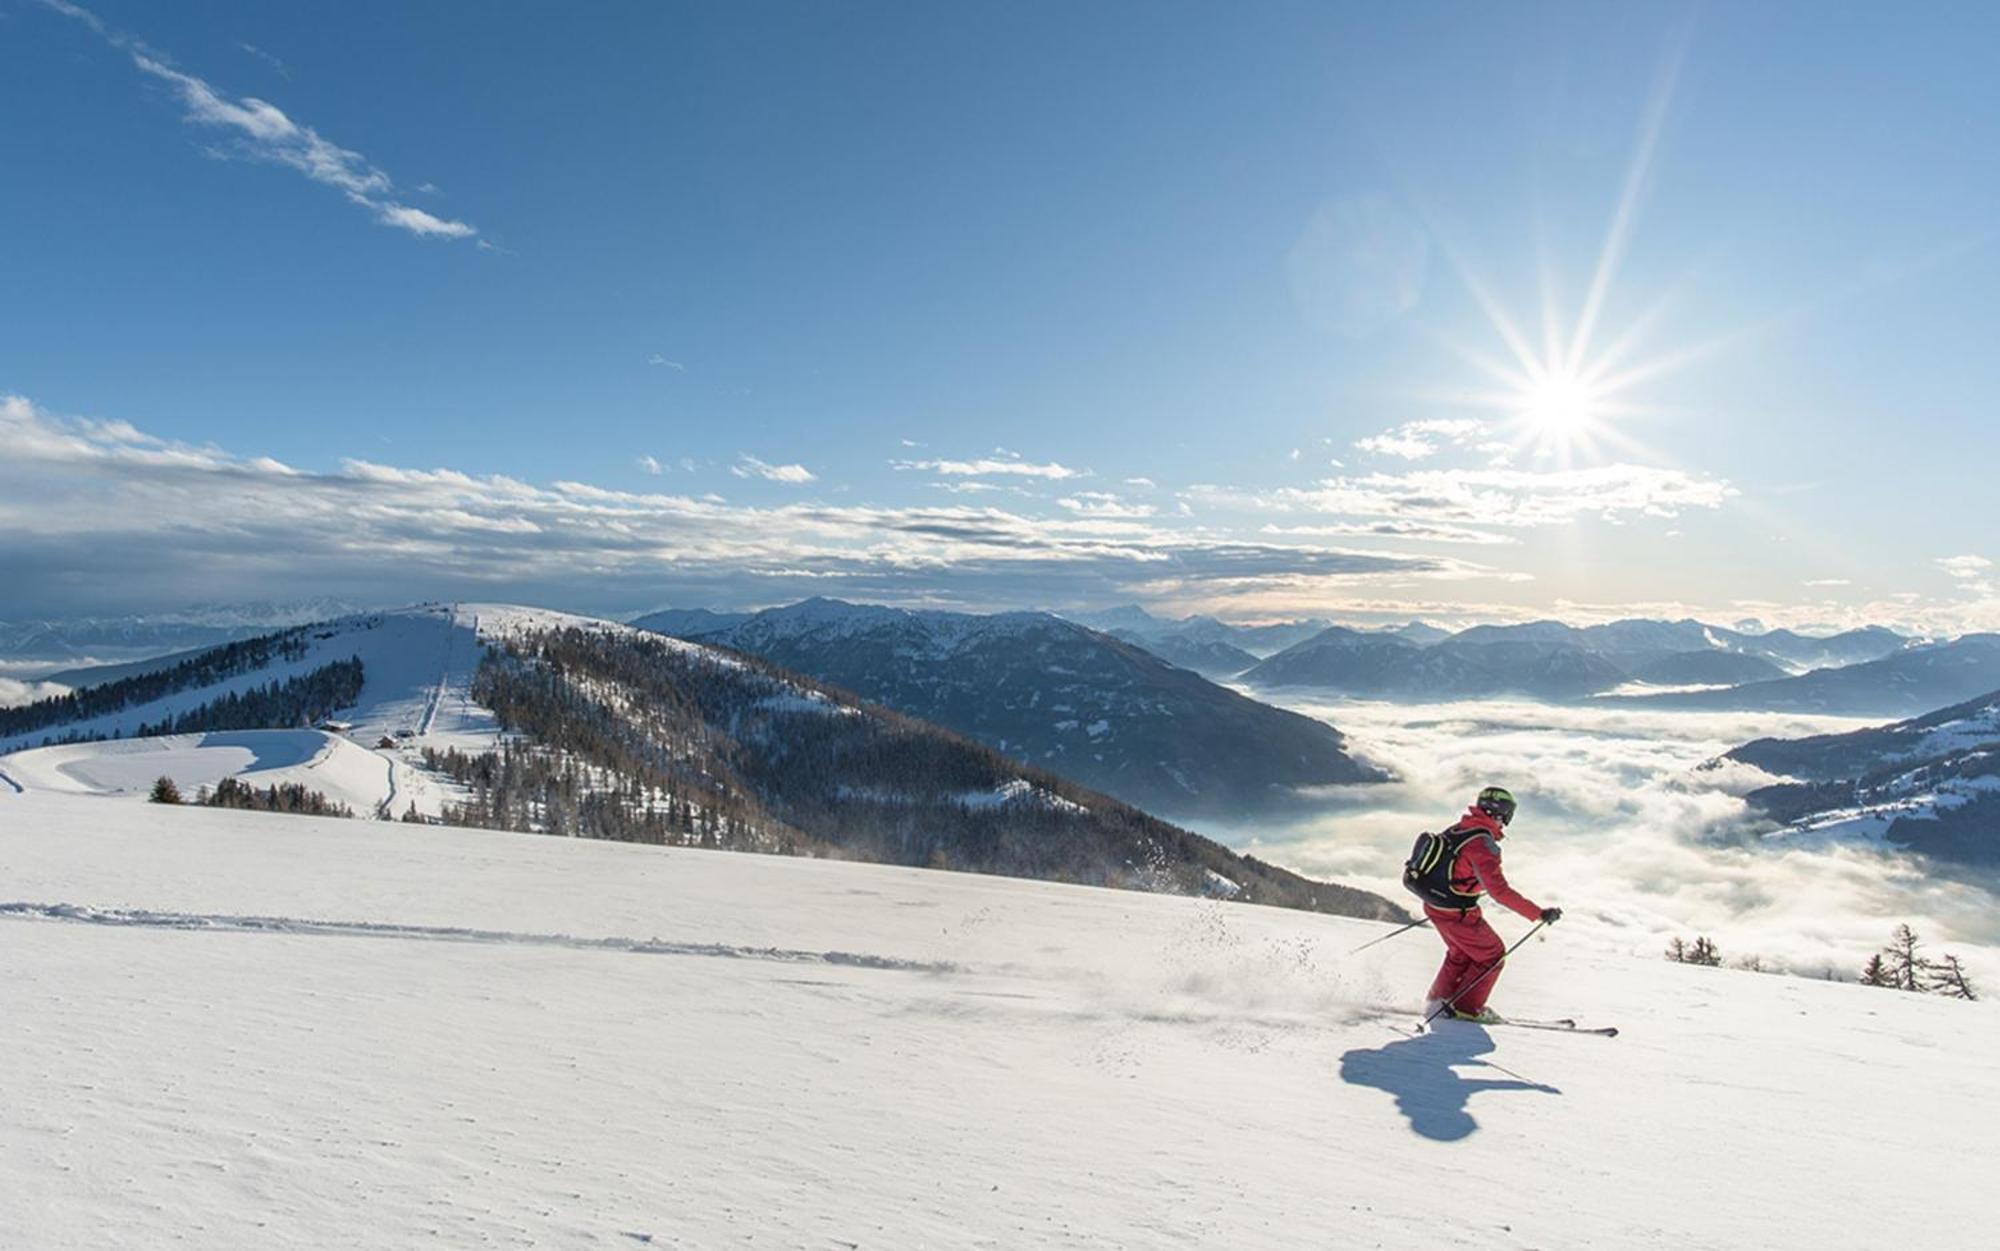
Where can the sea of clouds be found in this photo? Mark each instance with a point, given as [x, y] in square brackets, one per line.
[1621, 827]
[15, 691]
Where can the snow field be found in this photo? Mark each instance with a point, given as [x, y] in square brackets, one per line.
[1077, 1068]
[338, 768]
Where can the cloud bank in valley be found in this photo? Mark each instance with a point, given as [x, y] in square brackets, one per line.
[14, 691]
[1620, 828]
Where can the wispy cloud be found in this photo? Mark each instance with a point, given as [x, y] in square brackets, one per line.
[664, 363]
[1964, 568]
[1491, 496]
[260, 131]
[1419, 440]
[990, 467]
[1105, 504]
[748, 466]
[251, 49]
[1418, 531]
[651, 465]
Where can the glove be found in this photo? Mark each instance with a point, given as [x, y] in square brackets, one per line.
[1551, 915]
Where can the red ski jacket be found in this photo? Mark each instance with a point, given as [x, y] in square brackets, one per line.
[1477, 868]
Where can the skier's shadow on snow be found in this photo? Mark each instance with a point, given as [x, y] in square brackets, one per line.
[1422, 1074]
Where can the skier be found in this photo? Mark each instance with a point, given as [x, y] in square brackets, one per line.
[1460, 865]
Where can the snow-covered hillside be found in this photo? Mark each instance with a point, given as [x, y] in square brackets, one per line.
[1931, 783]
[418, 665]
[233, 1029]
[332, 764]
[609, 732]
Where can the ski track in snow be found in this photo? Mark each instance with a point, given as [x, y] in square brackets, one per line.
[145, 919]
[193, 1059]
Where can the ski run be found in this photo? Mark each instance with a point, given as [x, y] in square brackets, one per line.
[241, 1030]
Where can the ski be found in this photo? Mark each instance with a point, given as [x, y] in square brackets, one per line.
[1561, 1025]
[1564, 1025]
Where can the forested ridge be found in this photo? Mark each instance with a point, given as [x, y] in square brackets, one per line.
[630, 737]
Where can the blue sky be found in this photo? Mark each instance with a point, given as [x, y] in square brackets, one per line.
[1207, 306]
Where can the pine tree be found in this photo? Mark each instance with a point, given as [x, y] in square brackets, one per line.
[1907, 969]
[1704, 951]
[1948, 978]
[165, 791]
[1876, 972]
[1677, 951]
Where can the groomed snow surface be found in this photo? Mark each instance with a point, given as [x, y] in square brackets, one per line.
[230, 1029]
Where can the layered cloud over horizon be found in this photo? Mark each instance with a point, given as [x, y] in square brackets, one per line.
[100, 516]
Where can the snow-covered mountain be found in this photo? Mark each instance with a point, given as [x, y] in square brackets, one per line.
[1191, 635]
[1931, 783]
[1355, 662]
[1056, 694]
[1211, 658]
[1903, 684]
[1706, 668]
[686, 622]
[1802, 651]
[534, 720]
[240, 1032]
[1554, 660]
[1391, 666]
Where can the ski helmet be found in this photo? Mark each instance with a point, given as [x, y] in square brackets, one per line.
[1497, 802]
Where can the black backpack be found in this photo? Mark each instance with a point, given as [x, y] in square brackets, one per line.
[1427, 873]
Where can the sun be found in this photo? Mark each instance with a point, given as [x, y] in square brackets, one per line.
[1559, 404]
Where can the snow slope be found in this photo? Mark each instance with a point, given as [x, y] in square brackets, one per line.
[232, 1029]
[338, 768]
[417, 666]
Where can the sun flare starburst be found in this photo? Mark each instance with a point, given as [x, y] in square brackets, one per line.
[1559, 404]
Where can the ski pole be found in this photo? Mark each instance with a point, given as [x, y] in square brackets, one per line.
[1484, 973]
[1391, 934]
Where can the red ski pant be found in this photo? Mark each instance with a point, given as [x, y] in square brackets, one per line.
[1471, 950]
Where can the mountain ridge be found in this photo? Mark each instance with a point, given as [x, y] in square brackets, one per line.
[1050, 691]
[534, 720]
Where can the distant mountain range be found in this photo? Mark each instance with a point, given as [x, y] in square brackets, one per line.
[1061, 696]
[1555, 661]
[1217, 648]
[68, 641]
[1930, 784]
[1898, 685]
